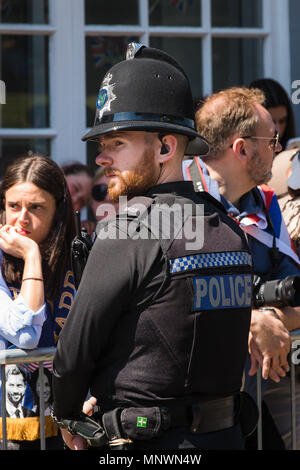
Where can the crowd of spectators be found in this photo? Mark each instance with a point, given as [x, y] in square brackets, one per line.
[36, 284]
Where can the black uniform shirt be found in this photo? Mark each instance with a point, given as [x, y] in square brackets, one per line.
[99, 330]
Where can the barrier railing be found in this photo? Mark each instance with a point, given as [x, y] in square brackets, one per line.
[295, 336]
[20, 356]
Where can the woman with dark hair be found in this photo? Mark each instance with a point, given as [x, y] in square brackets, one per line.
[279, 106]
[45, 389]
[36, 282]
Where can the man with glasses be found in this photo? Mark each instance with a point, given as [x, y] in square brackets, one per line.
[243, 141]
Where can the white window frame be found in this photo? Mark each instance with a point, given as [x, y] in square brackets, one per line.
[67, 32]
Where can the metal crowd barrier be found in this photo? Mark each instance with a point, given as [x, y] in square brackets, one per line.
[295, 336]
[20, 356]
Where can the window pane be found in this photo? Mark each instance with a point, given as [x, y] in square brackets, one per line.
[24, 11]
[182, 49]
[111, 12]
[236, 61]
[24, 69]
[236, 13]
[10, 149]
[175, 12]
[102, 52]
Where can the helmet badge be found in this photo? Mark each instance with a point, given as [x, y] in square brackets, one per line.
[105, 96]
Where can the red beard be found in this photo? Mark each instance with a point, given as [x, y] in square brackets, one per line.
[134, 182]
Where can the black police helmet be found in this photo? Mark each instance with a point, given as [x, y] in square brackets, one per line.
[147, 92]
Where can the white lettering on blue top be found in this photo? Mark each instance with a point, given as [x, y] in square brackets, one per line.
[226, 291]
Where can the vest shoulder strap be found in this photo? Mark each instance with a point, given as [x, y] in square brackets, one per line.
[195, 174]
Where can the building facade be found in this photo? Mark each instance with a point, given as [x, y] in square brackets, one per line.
[54, 54]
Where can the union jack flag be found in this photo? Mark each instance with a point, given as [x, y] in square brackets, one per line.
[182, 5]
[256, 224]
[33, 366]
[107, 51]
[98, 51]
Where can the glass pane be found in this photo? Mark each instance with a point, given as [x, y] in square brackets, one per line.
[175, 12]
[111, 12]
[182, 49]
[24, 69]
[236, 13]
[236, 62]
[102, 52]
[10, 149]
[24, 11]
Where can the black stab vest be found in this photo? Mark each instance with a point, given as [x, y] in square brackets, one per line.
[190, 341]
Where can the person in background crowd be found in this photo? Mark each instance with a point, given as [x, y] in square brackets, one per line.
[281, 167]
[36, 388]
[244, 140]
[36, 282]
[16, 382]
[279, 106]
[291, 207]
[79, 180]
[278, 398]
[100, 202]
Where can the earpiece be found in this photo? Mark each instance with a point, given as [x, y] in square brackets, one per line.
[164, 149]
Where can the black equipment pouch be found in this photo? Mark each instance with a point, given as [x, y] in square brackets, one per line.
[142, 423]
[113, 430]
[248, 414]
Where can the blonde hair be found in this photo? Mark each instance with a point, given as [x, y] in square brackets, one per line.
[226, 113]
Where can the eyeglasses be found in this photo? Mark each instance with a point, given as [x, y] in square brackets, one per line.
[273, 140]
[99, 192]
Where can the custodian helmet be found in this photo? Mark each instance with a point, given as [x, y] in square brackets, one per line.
[149, 91]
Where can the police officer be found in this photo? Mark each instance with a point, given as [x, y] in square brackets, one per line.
[164, 302]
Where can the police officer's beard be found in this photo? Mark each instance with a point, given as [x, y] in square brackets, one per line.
[257, 169]
[134, 182]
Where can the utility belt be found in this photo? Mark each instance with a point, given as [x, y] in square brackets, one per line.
[120, 427]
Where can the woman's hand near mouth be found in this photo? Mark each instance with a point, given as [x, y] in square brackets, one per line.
[16, 242]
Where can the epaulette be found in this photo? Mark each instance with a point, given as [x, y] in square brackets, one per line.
[135, 207]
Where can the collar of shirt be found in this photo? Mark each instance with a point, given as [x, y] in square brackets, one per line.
[11, 410]
[247, 205]
[173, 187]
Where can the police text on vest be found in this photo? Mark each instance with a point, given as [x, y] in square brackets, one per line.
[226, 291]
